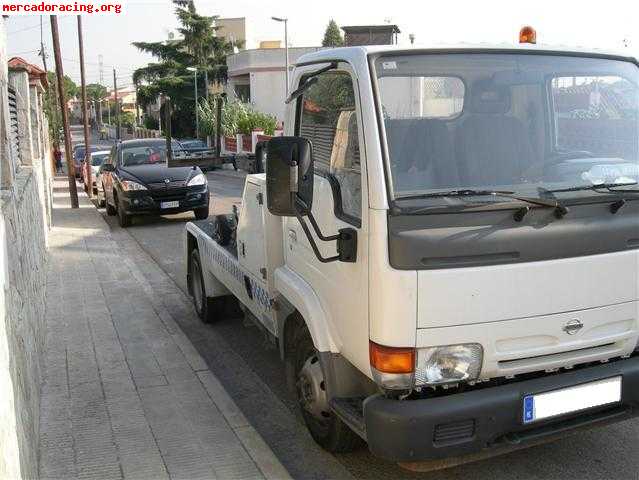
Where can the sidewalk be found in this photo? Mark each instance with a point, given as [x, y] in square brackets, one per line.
[125, 393]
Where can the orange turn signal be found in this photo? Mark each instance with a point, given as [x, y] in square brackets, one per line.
[527, 34]
[391, 359]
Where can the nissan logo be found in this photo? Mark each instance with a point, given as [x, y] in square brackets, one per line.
[167, 180]
[573, 326]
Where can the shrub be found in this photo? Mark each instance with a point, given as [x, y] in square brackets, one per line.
[151, 123]
[237, 117]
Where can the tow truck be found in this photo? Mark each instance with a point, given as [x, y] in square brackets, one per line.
[444, 247]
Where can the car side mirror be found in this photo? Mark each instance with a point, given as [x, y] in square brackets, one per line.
[289, 176]
[107, 167]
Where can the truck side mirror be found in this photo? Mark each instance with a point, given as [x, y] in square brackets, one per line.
[289, 176]
[289, 193]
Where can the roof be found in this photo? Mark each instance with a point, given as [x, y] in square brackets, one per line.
[35, 72]
[371, 28]
[359, 53]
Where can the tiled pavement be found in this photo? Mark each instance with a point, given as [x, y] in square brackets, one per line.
[125, 393]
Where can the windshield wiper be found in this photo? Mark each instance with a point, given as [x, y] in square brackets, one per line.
[559, 209]
[611, 187]
[607, 187]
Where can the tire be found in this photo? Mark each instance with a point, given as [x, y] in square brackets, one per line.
[325, 427]
[201, 213]
[124, 220]
[110, 209]
[207, 308]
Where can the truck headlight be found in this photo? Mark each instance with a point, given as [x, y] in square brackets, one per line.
[449, 364]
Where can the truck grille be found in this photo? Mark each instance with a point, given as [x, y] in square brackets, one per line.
[581, 355]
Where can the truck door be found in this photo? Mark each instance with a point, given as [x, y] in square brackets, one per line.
[328, 114]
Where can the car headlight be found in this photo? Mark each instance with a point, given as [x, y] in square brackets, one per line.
[199, 179]
[130, 185]
[449, 364]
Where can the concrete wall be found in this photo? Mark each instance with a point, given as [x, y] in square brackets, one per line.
[23, 228]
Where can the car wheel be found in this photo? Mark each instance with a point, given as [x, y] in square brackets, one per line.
[209, 309]
[124, 220]
[100, 199]
[310, 388]
[201, 213]
[110, 209]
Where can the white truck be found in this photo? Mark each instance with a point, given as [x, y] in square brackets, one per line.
[444, 247]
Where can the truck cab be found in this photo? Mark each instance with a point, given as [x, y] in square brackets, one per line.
[444, 246]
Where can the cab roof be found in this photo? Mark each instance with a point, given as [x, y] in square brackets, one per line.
[352, 54]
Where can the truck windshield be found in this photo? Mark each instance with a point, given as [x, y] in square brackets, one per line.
[525, 123]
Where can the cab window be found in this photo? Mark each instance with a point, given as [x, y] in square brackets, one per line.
[328, 118]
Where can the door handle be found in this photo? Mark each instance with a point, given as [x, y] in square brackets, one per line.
[292, 236]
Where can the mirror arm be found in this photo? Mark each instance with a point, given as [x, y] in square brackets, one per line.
[312, 240]
[318, 232]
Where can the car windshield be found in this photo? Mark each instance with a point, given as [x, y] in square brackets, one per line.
[98, 159]
[145, 155]
[515, 122]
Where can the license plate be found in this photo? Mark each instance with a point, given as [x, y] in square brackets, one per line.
[174, 204]
[572, 399]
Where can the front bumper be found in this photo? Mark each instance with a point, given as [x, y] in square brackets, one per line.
[466, 423]
[146, 202]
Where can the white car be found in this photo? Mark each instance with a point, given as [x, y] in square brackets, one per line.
[97, 159]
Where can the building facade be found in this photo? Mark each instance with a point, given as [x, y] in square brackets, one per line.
[25, 215]
[258, 76]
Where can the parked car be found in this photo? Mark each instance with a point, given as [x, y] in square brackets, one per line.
[97, 159]
[78, 156]
[136, 180]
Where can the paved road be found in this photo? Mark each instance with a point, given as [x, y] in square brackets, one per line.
[253, 375]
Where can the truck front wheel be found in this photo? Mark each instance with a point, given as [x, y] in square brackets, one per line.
[324, 426]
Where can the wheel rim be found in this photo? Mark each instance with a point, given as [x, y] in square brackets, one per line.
[196, 286]
[312, 389]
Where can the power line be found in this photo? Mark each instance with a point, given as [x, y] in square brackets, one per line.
[23, 29]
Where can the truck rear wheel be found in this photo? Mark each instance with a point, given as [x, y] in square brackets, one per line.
[324, 426]
[208, 309]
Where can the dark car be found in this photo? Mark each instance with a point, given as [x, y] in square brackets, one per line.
[78, 156]
[137, 181]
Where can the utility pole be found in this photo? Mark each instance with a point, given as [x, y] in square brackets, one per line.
[85, 116]
[43, 54]
[73, 192]
[117, 107]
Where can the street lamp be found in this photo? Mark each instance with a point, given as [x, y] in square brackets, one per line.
[285, 20]
[197, 117]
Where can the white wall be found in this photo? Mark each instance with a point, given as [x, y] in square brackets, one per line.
[268, 92]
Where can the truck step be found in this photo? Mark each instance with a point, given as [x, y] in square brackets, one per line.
[351, 412]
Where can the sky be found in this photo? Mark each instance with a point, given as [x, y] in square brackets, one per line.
[609, 25]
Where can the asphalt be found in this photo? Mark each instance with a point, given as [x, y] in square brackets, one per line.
[253, 375]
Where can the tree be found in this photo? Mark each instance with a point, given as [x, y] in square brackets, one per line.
[96, 93]
[199, 47]
[52, 107]
[332, 35]
[70, 88]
